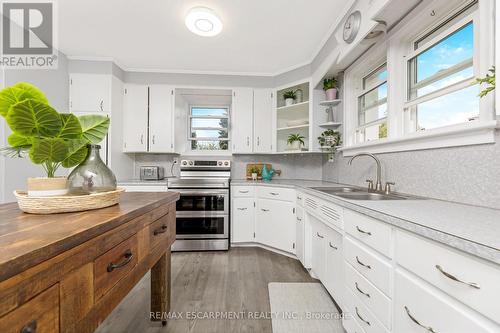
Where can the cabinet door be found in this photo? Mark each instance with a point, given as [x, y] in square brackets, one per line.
[275, 224]
[334, 275]
[299, 231]
[263, 114]
[135, 118]
[242, 220]
[161, 119]
[90, 93]
[242, 120]
[318, 249]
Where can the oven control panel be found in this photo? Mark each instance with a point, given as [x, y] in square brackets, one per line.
[205, 164]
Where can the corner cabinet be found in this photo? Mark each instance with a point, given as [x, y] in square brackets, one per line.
[252, 115]
[148, 118]
[275, 224]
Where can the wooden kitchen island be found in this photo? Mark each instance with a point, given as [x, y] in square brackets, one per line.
[67, 272]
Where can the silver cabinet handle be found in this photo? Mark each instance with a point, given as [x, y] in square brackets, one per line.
[363, 232]
[248, 141]
[264, 210]
[258, 141]
[332, 246]
[362, 264]
[142, 139]
[243, 191]
[244, 208]
[101, 105]
[154, 136]
[299, 198]
[454, 278]
[361, 291]
[273, 193]
[362, 319]
[317, 234]
[428, 328]
[299, 219]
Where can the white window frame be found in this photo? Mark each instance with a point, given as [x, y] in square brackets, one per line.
[189, 126]
[397, 46]
[366, 91]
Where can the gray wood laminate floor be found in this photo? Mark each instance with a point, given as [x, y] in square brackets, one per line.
[211, 283]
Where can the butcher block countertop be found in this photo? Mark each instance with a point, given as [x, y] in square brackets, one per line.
[27, 240]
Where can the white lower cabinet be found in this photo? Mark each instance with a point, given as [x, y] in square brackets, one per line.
[318, 248]
[243, 220]
[419, 307]
[357, 311]
[275, 224]
[334, 275]
[300, 234]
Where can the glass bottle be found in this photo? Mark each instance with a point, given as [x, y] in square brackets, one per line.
[92, 175]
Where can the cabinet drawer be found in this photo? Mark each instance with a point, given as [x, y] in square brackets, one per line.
[113, 265]
[369, 231]
[242, 191]
[160, 231]
[364, 318]
[41, 313]
[371, 265]
[285, 194]
[375, 300]
[418, 306]
[442, 267]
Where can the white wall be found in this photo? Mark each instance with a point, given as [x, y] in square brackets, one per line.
[55, 84]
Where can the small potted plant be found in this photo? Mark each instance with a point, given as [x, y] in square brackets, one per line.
[255, 172]
[289, 97]
[329, 140]
[330, 88]
[49, 138]
[295, 141]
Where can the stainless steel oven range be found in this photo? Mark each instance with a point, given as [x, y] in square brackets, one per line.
[203, 208]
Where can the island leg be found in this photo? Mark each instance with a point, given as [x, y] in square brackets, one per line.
[160, 287]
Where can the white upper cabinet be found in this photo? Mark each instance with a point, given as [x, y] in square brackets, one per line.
[135, 118]
[161, 118]
[263, 115]
[242, 120]
[90, 93]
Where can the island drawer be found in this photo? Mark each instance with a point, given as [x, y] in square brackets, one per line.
[160, 231]
[40, 314]
[113, 265]
[470, 280]
[369, 231]
[242, 191]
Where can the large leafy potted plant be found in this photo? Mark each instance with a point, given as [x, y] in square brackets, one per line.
[49, 138]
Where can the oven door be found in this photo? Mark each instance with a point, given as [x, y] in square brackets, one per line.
[202, 203]
[202, 227]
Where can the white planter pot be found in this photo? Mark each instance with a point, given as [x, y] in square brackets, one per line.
[289, 101]
[331, 94]
[254, 176]
[47, 187]
[295, 145]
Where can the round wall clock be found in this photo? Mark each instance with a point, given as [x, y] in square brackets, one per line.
[351, 26]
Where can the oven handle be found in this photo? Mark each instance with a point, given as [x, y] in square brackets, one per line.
[203, 192]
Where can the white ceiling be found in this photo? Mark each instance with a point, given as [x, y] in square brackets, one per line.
[260, 37]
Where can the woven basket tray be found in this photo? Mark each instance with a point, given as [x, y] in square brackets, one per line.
[67, 203]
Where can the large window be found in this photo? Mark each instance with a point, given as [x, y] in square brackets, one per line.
[441, 75]
[372, 106]
[209, 128]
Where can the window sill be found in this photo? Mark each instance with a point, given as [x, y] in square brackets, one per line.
[450, 136]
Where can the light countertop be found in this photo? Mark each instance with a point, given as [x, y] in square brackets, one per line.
[472, 229]
[138, 182]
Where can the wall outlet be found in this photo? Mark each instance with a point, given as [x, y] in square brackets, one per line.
[176, 160]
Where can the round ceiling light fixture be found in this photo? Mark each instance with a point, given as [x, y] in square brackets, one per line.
[203, 21]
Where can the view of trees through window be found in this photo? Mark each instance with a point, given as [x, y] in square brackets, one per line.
[209, 128]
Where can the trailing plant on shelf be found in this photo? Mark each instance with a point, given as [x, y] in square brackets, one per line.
[330, 140]
[330, 88]
[296, 141]
[489, 80]
[48, 138]
[289, 97]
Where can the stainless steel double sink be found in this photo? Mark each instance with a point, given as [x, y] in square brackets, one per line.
[355, 193]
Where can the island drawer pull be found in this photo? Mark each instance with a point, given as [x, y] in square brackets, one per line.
[361, 291]
[454, 278]
[428, 328]
[160, 230]
[30, 327]
[363, 232]
[362, 264]
[363, 319]
[128, 258]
